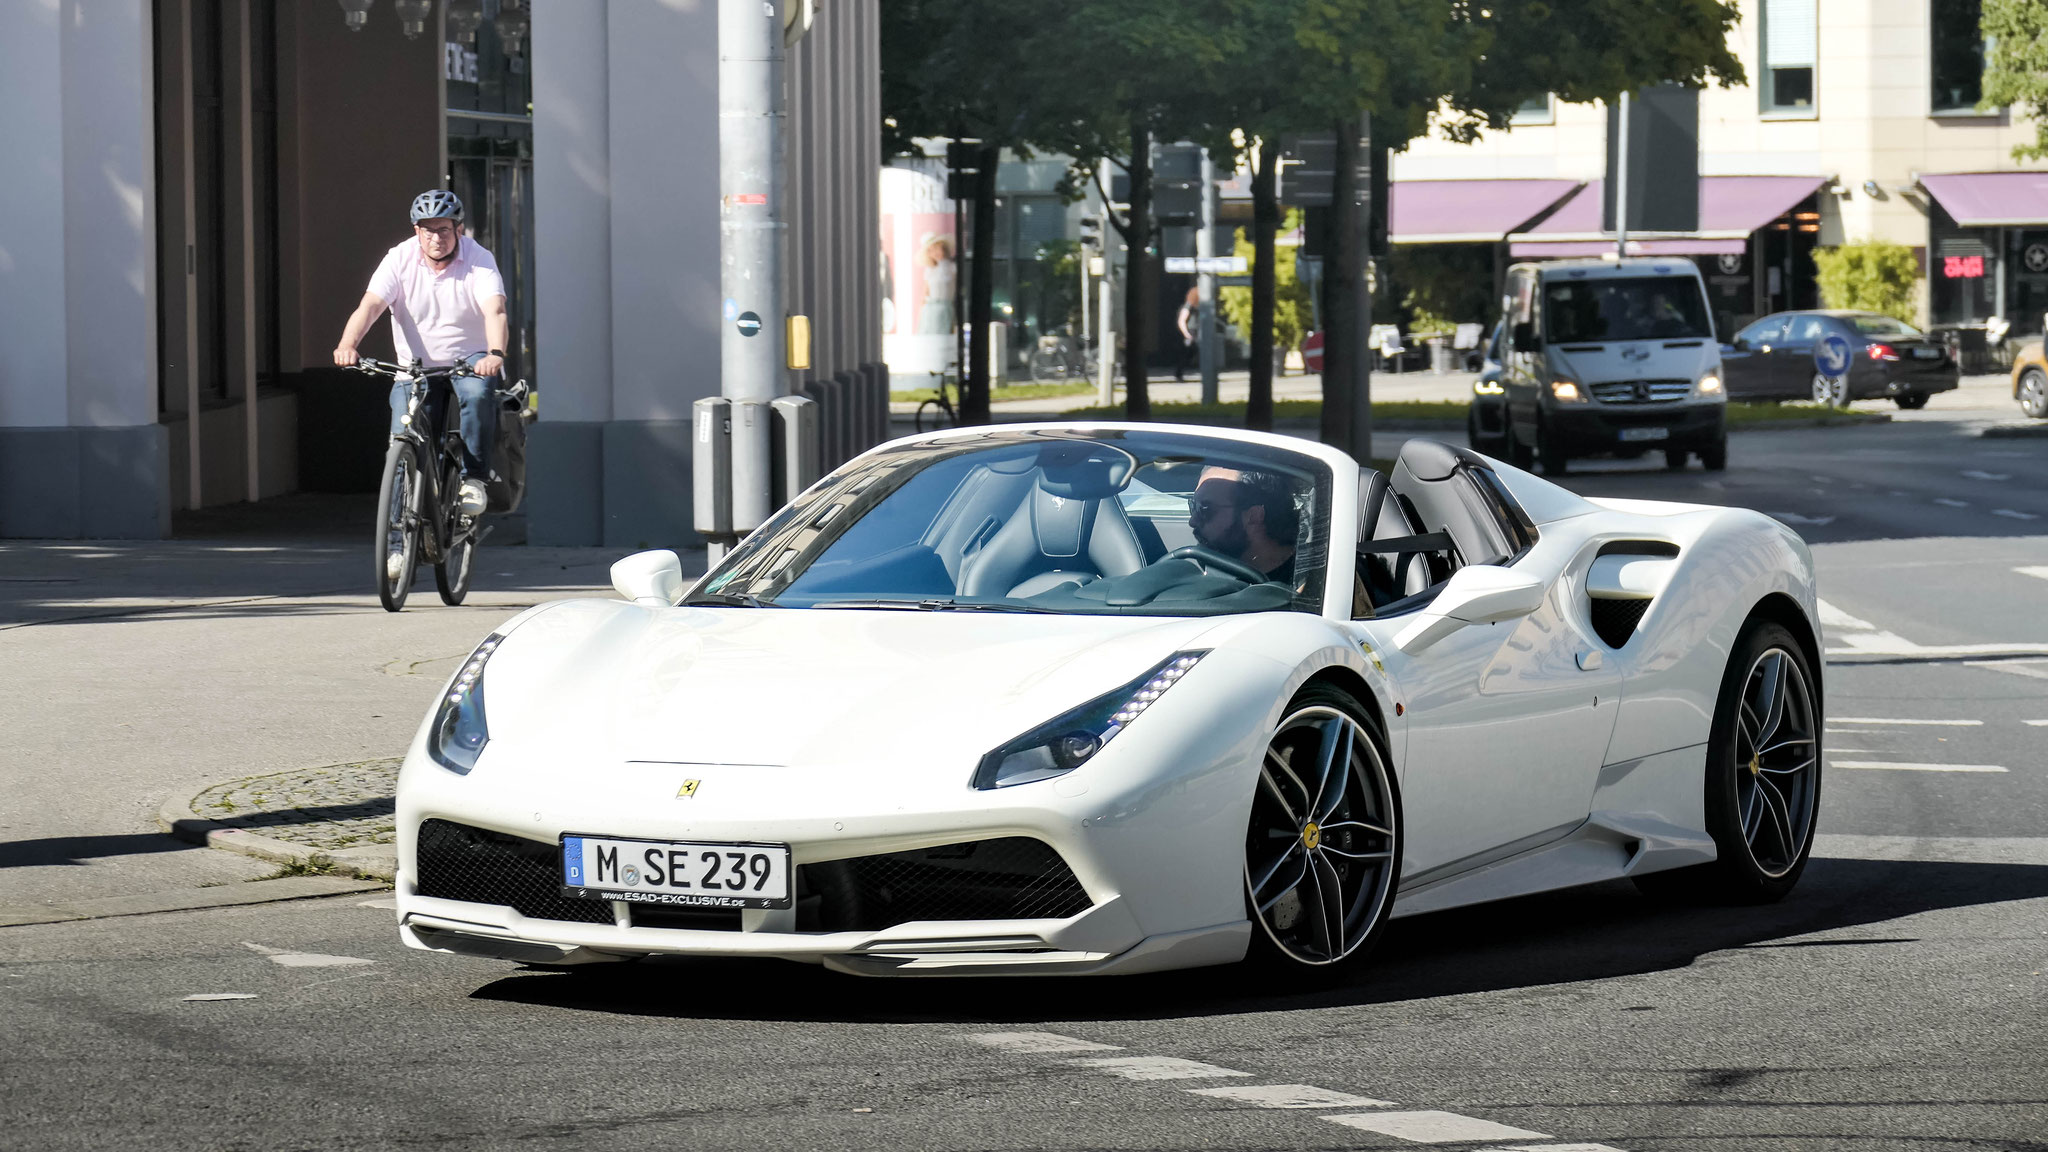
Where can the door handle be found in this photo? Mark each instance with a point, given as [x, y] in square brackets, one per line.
[1589, 660]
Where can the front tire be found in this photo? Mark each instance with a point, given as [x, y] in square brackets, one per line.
[398, 525]
[452, 570]
[1763, 775]
[2034, 393]
[1714, 457]
[1675, 458]
[1550, 453]
[1323, 845]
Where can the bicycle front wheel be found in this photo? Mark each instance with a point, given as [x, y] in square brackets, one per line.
[451, 572]
[398, 524]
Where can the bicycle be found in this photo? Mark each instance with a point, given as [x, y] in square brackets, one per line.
[413, 495]
[939, 409]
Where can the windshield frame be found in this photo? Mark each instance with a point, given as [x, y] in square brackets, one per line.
[778, 555]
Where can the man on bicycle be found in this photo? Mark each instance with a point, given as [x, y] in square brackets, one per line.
[447, 305]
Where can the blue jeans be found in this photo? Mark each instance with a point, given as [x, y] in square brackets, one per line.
[479, 423]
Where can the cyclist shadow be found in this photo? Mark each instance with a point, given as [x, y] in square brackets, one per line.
[1588, 934]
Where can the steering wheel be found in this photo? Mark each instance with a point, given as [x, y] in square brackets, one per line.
[1209, 559]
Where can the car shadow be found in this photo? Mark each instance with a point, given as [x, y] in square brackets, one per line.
[1586, 934]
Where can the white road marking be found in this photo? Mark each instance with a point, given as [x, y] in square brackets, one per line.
[1552, 1148]
[383, 902]
[1433, 1127]
[2011, 667]
[1156, 1068]
[1833, 617]
[1028, 1043]
[1795, 518]
[1939, 849]
[2041, 572]
[303, 959]
[2037, 723]
[210, 996]
[1914, 767]
[1290, 1096]
[2013, 514]
[1973, 474]
[1871, 720]
[1946, 502]
[1891, 644]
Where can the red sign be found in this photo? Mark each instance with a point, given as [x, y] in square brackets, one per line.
[1962, 267]
[1312, 352]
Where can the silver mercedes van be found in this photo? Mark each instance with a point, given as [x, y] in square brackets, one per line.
[1612, 356]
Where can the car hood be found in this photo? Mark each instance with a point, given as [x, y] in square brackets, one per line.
[609, 681]
[1592, 363]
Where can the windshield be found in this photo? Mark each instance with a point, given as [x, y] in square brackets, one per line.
[1068, 521]
[1606, 308]
[1871, 324]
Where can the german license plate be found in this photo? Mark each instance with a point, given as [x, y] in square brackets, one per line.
[1927, 353]
[1646, 433]
[677, 873]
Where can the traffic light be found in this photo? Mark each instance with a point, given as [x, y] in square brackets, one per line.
[1091, 232]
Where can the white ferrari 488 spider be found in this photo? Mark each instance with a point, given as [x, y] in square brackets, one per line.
[1120, 698]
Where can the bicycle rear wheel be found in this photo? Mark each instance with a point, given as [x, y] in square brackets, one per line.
[933, 415]
[398, 536]
[452, 571]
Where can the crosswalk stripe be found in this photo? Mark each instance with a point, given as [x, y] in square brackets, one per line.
[1156, 1068]
[1914, 767]
[1290, 1096]
[1433, 1127]
[1036, 1042]
[1874, 720]
[2041, 572]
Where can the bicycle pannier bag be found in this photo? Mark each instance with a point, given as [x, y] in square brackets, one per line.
[507, 486]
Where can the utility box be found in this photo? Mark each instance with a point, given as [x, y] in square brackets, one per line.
[711, 465]
[795, 445]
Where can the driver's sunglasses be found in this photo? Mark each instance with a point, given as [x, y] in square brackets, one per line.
[1203, 509]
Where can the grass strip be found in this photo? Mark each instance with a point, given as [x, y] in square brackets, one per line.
[999, 395]
[1454, 412]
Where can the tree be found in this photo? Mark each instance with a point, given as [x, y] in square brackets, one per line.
[1293, 311]
[1869, 276]
[2016, 66]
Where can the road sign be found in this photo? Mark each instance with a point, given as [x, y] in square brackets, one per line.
[1217, 265]
[1312, 352]
[1831, 355]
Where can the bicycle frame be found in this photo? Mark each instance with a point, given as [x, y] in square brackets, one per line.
[435, 459]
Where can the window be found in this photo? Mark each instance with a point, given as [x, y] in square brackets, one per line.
[1789, 56]
[1536, 110]
[1870, 324]
[1956, 50]
[1762, 334]
[1625, 308]
[1807, 330]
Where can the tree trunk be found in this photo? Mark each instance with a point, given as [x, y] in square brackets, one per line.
[1138, 283]
[974, 394]
[1258, 409]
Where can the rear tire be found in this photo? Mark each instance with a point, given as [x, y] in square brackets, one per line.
[1911, 401]
[1832, 393]
[398, 503]
[2034, 393]
[1324, 838]
[1550, 453]
[1763, 776]
[452, 570]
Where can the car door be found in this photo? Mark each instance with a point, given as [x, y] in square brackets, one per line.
[1508, 723]
[1793, 359]
[1746, 364]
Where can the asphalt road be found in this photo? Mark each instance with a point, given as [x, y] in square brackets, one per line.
[1898, 999]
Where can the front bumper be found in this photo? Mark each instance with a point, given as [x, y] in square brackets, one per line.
[1599, 427]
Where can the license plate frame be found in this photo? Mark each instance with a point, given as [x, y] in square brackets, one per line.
[1639, 435]
[1926, 353]
[631, 878]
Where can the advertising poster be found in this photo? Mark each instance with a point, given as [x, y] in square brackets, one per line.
[920, 271]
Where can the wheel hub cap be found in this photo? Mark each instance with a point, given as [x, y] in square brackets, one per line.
[1311, 835]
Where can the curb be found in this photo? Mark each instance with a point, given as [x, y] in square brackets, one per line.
[2036, 430]
[178, 818]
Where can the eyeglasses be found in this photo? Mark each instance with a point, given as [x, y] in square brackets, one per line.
[1203, 509]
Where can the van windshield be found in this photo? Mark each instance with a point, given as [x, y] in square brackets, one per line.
[1608, 308]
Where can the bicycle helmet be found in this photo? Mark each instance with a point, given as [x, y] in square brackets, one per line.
[436, 204]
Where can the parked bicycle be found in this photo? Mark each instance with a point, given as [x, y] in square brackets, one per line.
[1057, 356]
[419, 510]
[939, 412]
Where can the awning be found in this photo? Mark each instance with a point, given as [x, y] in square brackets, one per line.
[1991, 199]
[1731, 207]
[1468, 211]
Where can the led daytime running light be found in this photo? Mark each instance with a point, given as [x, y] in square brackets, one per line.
[460, 730]
[1143, 697]
[1066, 742]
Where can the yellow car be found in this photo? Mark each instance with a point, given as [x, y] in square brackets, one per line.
[2030, 381]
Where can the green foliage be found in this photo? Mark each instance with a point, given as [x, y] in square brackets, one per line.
[1293, 310]
[1870, 275]
[1440, 286]
[2016, 66]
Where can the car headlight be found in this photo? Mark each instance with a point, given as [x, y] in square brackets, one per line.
[1567, 392]
[1063, 744]
[459, 731]
[1485, 387]
[1709, 385]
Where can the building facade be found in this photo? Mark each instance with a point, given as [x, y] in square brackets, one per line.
[201, 189]
[1859, 121]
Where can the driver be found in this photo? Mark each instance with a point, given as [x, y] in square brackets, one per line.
[1246, 515]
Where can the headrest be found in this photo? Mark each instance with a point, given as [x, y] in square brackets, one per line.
[1084, 469]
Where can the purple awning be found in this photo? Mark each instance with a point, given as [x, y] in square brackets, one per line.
[1991, 199]
[1468, 211]
[1731, 207]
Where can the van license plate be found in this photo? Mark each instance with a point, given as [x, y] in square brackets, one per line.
[1631, 434]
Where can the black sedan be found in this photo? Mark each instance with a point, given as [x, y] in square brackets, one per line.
[1772, 359]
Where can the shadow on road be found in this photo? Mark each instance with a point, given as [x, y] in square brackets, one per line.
[67, 850]
[1595, 933]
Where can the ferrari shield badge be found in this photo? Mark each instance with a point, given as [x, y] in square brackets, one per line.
[688, 790]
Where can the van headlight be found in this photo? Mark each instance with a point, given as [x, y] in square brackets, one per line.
[1567, 392]
[1709, 385]
[1485, 387]
[460, 731]
[1066, 742]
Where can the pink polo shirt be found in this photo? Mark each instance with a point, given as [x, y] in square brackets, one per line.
[437, 316]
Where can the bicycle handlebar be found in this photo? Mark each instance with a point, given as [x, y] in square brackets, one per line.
[375, 367]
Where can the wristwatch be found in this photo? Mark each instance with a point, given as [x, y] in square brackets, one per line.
[498, 352]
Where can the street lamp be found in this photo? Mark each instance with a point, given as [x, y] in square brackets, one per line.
[464, 17]
[356, 12]
[412, 16]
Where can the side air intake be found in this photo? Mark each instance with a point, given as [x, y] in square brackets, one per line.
[1625, 580]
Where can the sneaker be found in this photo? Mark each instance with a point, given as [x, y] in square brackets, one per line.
[394, 567]
[472, 498]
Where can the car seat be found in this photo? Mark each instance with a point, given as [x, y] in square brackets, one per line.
[1069, 528]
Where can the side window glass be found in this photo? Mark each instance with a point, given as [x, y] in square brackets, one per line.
[1766, 331]
[1805, 330]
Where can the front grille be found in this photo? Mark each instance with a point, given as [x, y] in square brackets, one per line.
[1016, 878]
[458, 862]
[1614, 621]
[1641, 391]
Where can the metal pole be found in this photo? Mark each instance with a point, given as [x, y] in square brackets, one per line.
[1105, 341]
[1621, 182]
[1083, 308]
[750, 224]
[1205, 249]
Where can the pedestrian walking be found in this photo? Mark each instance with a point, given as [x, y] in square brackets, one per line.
[1190, 322]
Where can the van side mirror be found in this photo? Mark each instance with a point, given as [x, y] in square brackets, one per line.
[1524, 337]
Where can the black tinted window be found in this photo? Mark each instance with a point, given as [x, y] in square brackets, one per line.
[1605, 308]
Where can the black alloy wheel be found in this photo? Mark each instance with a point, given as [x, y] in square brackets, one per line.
[452, 569]
[1323, 846]
[1763, 775]
[398, 525]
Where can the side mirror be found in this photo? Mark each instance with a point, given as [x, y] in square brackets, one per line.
[1524, 337]
[1475, 594]
[652, 578]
